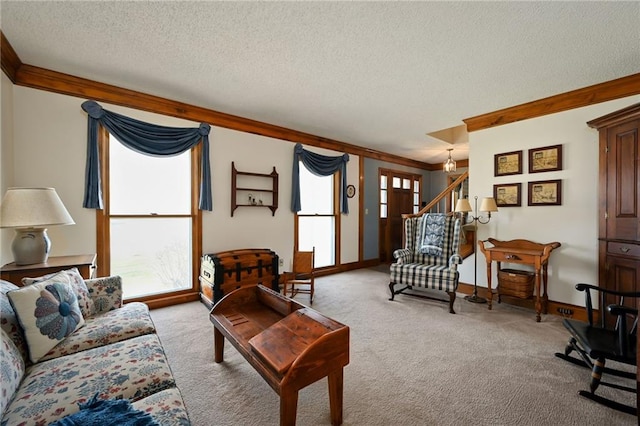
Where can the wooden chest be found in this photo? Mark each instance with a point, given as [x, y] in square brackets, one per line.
[221, 273]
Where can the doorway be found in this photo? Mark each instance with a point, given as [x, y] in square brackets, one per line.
[399, 193]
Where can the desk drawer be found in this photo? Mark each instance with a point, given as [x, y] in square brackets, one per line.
[505, 256]
[625, 249]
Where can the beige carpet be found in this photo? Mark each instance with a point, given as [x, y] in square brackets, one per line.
[412, 363]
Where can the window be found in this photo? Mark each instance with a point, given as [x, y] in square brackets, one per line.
[148, 220]
[316, 221]
[383, 197]
[416, 196]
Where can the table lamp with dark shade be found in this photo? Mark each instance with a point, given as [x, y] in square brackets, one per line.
[30, 211]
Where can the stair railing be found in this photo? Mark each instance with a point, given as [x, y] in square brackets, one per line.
[446, 192]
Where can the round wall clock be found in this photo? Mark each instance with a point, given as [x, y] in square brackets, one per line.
[351, 191]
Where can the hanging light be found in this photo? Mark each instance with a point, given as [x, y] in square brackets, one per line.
[449, 165]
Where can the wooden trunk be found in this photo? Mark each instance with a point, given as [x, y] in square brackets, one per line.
[221, 273]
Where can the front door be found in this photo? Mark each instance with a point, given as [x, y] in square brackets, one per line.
[399, 193]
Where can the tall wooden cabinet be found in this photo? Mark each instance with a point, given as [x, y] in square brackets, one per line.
[619, 199]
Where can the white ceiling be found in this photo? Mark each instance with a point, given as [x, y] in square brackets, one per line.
[375, 74]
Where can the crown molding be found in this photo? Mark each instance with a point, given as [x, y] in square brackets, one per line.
[66, 84]
[10, 61]
[607, 91]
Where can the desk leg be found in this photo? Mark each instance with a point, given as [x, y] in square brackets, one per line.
[218, 345]
[489, 291]
[538, 297]
[288, 407]
[335, 396]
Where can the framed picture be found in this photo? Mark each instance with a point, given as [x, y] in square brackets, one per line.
[507, 195]
[545, 159]
[545, 193]
[509, 163]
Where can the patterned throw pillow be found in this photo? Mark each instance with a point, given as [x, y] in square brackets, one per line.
[84, 300]
[48, 312]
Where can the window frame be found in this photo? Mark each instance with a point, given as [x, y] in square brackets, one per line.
[103, 228]
[337, 227]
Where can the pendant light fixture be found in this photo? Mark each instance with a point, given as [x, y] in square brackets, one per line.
[449, 165]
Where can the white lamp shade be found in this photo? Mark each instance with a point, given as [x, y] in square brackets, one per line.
[463, 205]
[33, 208]
[488, 205]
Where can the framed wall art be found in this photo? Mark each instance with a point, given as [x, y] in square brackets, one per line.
[509, 163]
[507, 195]
[546, 159]
[545, 193]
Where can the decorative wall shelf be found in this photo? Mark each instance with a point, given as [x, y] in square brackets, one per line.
[250, 189]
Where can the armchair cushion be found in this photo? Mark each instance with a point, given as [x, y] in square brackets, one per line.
[436, 277]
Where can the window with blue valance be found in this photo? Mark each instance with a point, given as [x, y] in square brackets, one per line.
[320, 165]
[145, 138]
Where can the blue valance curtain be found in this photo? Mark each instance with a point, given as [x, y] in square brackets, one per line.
[144, 138]
[320, 165]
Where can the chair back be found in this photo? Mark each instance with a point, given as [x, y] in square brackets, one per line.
[450, 245]
[303, 262]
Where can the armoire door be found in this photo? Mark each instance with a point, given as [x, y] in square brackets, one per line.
[623, 182]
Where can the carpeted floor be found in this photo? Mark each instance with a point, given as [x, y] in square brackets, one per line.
[412, 363]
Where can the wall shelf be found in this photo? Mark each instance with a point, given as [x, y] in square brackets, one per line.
[254, 189]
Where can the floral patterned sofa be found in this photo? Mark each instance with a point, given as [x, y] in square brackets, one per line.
[115, 354]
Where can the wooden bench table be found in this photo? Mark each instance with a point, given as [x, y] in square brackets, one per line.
[287, 343]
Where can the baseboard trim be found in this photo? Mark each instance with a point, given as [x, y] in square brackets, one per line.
[553, 307]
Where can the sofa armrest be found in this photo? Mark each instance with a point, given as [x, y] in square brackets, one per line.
[106, 293]
[402, 256]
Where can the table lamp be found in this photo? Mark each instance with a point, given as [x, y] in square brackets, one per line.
[30, 211]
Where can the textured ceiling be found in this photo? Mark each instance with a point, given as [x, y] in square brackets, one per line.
[376, 74]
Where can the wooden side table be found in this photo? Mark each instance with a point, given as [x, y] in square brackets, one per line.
[86, 264]
[526, 253]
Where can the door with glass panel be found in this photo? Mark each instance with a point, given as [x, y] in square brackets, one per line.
[399, 193]
[149, 223]
[316, 221]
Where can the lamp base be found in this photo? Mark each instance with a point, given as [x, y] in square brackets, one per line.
[474, 298]
[30, 246]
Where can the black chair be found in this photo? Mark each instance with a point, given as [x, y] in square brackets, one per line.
[613, 337]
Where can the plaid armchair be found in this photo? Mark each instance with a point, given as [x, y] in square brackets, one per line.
[414, 269]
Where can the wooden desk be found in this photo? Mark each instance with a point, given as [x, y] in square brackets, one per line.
[86, 264]
[289, 344]
[522, 252]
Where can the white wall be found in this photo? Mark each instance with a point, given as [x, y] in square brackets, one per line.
[574, 223]
[6, 158]
[49, 141]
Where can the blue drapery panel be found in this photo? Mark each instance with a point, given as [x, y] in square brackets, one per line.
[145, 138]
[320, 165]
